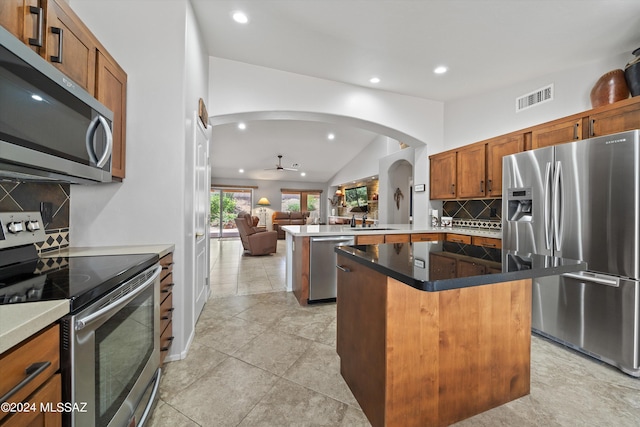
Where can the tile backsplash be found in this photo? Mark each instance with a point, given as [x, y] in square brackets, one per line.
[28, 196]
[484, 213]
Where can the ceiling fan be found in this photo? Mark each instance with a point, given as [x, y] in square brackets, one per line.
[279, 166]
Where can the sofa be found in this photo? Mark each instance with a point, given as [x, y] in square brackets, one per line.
[278, 219]
[255, 240]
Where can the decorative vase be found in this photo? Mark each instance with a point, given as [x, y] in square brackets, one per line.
[632, 74]
[609, 88]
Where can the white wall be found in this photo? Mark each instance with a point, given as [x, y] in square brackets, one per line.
[492, 114]
[159, 49]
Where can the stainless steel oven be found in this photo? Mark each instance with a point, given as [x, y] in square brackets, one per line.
[110, 355]
[110, 340]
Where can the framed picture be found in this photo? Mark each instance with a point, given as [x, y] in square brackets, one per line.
[418, 188]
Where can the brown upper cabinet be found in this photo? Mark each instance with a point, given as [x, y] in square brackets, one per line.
[557, 132]
[56, 33]
[70, 45]
[618, 117]
[471, 171]
[497, 148]
[442, 181]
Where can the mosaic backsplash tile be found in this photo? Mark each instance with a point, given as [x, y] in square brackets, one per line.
[485, 213]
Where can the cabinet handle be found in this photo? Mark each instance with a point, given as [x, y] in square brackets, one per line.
[345, 269]
[32, 371]
[166, 291]
[167, 347]
[58, 31]
[490, 185]
[482, 186]
[167, 266]
[40, 24]
[575, 130]
[592, 123]
[453, 191]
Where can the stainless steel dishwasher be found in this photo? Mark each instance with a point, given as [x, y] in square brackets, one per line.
[323, 275]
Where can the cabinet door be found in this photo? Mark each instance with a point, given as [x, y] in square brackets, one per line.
[49, 394]
[70, 46]
[111, 90]
[471, 171]
[497, 148]
[615, 120]
[558, 133]
[396, 238]
[441, 267]
[370, 239]
[25, 23]
[443, 176]
[468, 268]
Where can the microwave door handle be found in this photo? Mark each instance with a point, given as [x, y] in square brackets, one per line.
[91, 133]
[119, 303]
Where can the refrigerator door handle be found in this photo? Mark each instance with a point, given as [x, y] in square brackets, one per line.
[601, 279]
[547, 207]
[558, 211]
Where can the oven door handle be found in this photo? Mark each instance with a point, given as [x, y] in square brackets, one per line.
[119, 303]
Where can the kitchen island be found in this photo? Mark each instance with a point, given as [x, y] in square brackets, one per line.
[299, 241]
[422, 351]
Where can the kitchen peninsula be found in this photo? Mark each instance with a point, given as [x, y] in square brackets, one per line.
[422, 351]
[301, 258]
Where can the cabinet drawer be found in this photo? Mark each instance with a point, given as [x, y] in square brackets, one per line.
[166, 284]
[166, 311]
[41, 348]
[396, 238]
[458, 238]
[166, 339]
[426, 237]
[370, 239]
[487, 242]
[49, 393]
[167, 260]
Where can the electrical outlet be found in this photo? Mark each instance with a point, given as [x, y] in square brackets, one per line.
[46, 210]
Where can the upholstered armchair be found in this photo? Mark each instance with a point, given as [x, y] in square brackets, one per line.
[255, 241]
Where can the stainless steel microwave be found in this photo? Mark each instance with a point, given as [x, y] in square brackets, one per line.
[50, 128]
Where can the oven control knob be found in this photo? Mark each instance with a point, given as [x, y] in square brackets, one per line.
[33, 225]
[15, 227]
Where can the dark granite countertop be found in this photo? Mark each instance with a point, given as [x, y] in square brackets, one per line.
[440, 266]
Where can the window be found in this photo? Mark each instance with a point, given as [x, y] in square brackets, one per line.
[354, 197]
[301, 200]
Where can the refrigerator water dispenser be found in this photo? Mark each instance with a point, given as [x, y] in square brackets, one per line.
[519, 202]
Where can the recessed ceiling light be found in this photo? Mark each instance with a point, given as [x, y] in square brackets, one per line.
[303, 174]
[241, 170]
[240, 17]
[374, 80]
[242, 126]
[440, 70]
[331, 137]
[36, 97]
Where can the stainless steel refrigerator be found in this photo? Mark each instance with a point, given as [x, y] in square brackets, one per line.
[581, 200]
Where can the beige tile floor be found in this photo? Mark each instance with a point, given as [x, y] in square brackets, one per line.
[259, 359]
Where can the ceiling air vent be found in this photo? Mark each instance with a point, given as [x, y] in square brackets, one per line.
[534, 98]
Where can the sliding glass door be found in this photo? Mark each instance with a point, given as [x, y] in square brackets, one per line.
[225, 206]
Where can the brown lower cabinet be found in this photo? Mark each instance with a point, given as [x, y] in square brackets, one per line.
[415, 358]
[45, 387]
[166, 305]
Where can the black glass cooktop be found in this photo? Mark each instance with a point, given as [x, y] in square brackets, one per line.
[79, 279]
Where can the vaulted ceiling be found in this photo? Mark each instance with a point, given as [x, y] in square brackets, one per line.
[485, 44]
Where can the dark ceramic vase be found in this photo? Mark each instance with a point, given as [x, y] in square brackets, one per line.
[609, 88]
[632, 74]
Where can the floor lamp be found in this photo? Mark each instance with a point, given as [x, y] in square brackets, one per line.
[263, 202]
